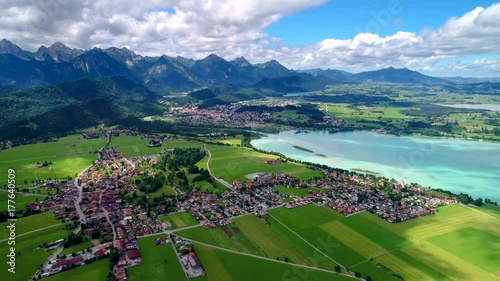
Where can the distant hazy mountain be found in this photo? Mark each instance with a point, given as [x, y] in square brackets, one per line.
[470, 80]
[334, 74]
[9, 48]
[393, 75]
[295, 82]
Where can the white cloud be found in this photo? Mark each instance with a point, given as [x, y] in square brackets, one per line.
[232, 28]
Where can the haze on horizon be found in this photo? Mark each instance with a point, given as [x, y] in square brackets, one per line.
[442, 38]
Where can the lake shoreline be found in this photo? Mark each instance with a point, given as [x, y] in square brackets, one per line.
[397, 157]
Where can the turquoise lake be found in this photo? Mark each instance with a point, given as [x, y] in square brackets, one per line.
[471, 167]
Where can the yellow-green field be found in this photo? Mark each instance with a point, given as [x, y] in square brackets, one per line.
[458, 243]
[221, 265]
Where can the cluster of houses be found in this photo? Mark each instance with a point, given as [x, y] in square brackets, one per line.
[68, 262]
[189, 261]
[231, 116]
[106, 133]
[393, 201]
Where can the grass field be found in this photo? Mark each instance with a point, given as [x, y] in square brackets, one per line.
[20, 201]
[181, 144]
[131, 146]
[477, 247]
[30, 223]
[233, 163]
[266, 239]
[237, 242]
[159, 262]
[31, 255]
[296, 191]
[221, 266]
[77, 248]
[69, 156]
[96, 271]
[179, 220]
[458, 243]
[252, 235]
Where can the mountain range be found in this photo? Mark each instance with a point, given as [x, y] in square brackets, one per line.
[59, 63]
[57, 89]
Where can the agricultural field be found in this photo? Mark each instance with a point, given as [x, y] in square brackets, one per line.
[292, 115]
[354, 114]
[179, 220]
[262, 237]
[29, 254]
[159, 262]
[181, 144]
[97, 271]
[233, 163]
[77, 248]
[229, 237]
[21, 200]
[420, 249]
[234, 141]
[69, 156]
[132, 146]
[221, 265]
[30, 223]
[301, 192]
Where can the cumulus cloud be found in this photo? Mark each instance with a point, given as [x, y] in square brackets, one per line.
[232, 28]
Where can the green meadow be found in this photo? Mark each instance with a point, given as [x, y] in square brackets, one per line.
[262, 237]
[29, 254]
[181, 144]
[132, 146]
[458, 243]
[96, 271]
[69, 156]
[221, 265]
[301, 192]
[159, 262]
[77, 248]
[233, 163]
[20, 201]
[30, 223]
[179, 220]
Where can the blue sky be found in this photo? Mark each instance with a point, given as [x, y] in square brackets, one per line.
[344, 19]
[436, 37]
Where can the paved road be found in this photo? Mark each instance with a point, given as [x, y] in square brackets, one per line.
[106, 213]
[273, 260]
[81, 215]
[223, 182]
